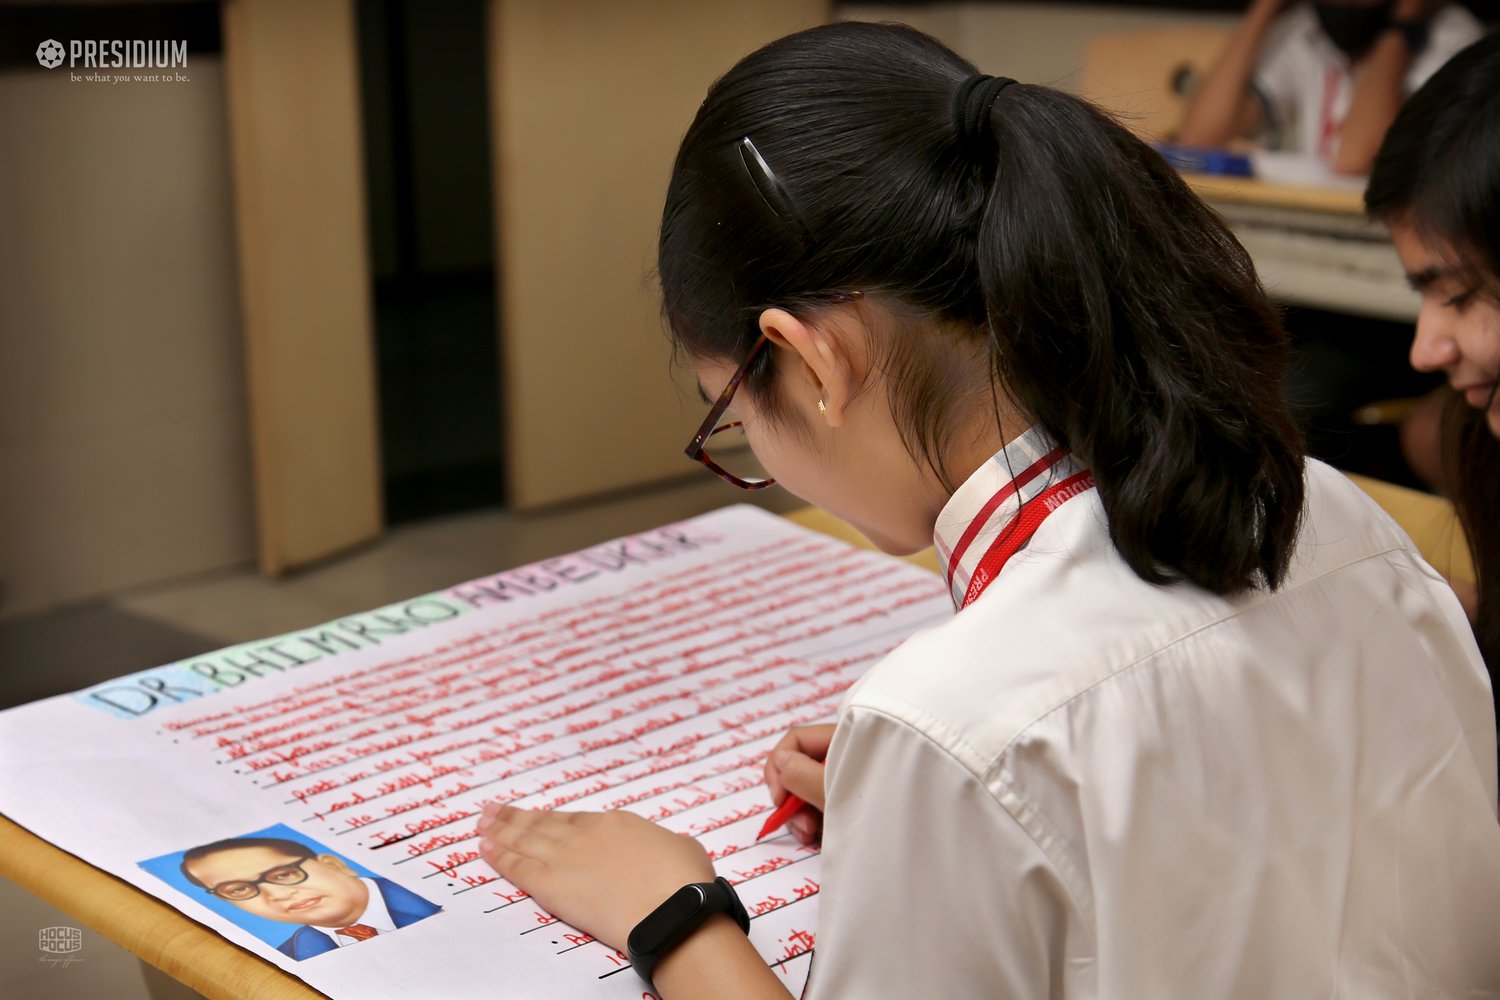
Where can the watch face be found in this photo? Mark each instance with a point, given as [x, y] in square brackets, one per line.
[677, 913]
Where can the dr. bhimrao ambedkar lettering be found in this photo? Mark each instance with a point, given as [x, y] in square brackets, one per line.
[139, 694]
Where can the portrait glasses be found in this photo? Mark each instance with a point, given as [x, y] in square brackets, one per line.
[238, 892]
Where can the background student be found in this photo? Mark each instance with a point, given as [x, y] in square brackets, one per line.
[1324, 78]
[1204, 724]
[1436, 184]
[1327, 79]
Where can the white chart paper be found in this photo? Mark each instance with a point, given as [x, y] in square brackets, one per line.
[652, 674]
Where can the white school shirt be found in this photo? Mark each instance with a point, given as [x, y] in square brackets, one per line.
[1305, 82]
[1084, 785]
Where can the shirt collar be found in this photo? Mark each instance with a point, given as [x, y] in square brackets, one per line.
[987, 501]
[376, 915]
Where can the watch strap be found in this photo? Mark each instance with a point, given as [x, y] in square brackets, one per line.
[736, 908]
[675, 920]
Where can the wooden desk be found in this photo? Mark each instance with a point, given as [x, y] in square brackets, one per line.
[1431, 523]
[1313, 246]
[205, 962]
[1248, 191]
[155, 932]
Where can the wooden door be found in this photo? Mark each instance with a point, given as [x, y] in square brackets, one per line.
[292, 81]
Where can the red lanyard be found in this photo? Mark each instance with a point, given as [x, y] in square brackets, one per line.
[1020, 529]
[1017, 481]
[1328, 129]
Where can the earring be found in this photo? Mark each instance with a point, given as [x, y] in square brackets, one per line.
[821, 408]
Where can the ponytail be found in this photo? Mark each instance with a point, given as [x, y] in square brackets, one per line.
[1128, 321]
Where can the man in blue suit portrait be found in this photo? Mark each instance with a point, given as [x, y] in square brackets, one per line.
[287, 881]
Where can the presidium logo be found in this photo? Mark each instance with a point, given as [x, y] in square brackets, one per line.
[118, 54]
[50, 53]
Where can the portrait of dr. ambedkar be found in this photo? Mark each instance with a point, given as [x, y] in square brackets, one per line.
[288, 881]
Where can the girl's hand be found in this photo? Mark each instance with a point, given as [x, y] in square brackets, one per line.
[795, 766]
[601, 872]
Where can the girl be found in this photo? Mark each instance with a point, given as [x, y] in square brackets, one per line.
[1204, 724]
[1436, 184]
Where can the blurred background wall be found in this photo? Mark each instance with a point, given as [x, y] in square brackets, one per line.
[240, 321]
[124, 434]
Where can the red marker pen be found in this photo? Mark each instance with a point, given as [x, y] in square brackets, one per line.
[778, 818]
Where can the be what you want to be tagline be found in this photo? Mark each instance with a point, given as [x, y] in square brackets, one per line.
[117, 61]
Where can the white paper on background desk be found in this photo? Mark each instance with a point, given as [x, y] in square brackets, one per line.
[1302, 170]
[653, 673]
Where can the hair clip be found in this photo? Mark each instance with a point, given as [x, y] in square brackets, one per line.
[772, 193]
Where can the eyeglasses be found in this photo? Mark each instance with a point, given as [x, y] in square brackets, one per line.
[711, 426]
[238, 892]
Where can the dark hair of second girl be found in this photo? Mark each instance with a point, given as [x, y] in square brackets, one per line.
[1439, 168]
[1114, 307]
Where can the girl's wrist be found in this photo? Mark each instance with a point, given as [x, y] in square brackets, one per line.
[718, 960]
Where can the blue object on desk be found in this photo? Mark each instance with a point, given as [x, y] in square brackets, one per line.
[1198, 160]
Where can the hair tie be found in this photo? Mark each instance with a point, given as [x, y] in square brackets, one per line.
[971, 108]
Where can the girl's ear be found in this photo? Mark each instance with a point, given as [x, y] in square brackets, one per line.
[824, 370]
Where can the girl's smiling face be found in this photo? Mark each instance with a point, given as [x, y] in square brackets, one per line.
[1458, 328]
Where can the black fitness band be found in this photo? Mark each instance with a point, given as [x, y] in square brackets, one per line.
[674, 921]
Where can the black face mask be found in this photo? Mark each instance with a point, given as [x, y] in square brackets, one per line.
[1354, 28]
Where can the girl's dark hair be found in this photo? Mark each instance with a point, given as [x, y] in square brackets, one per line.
[1471, 469]
[1117, 310]
[1439, 171]
[1439, 166]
